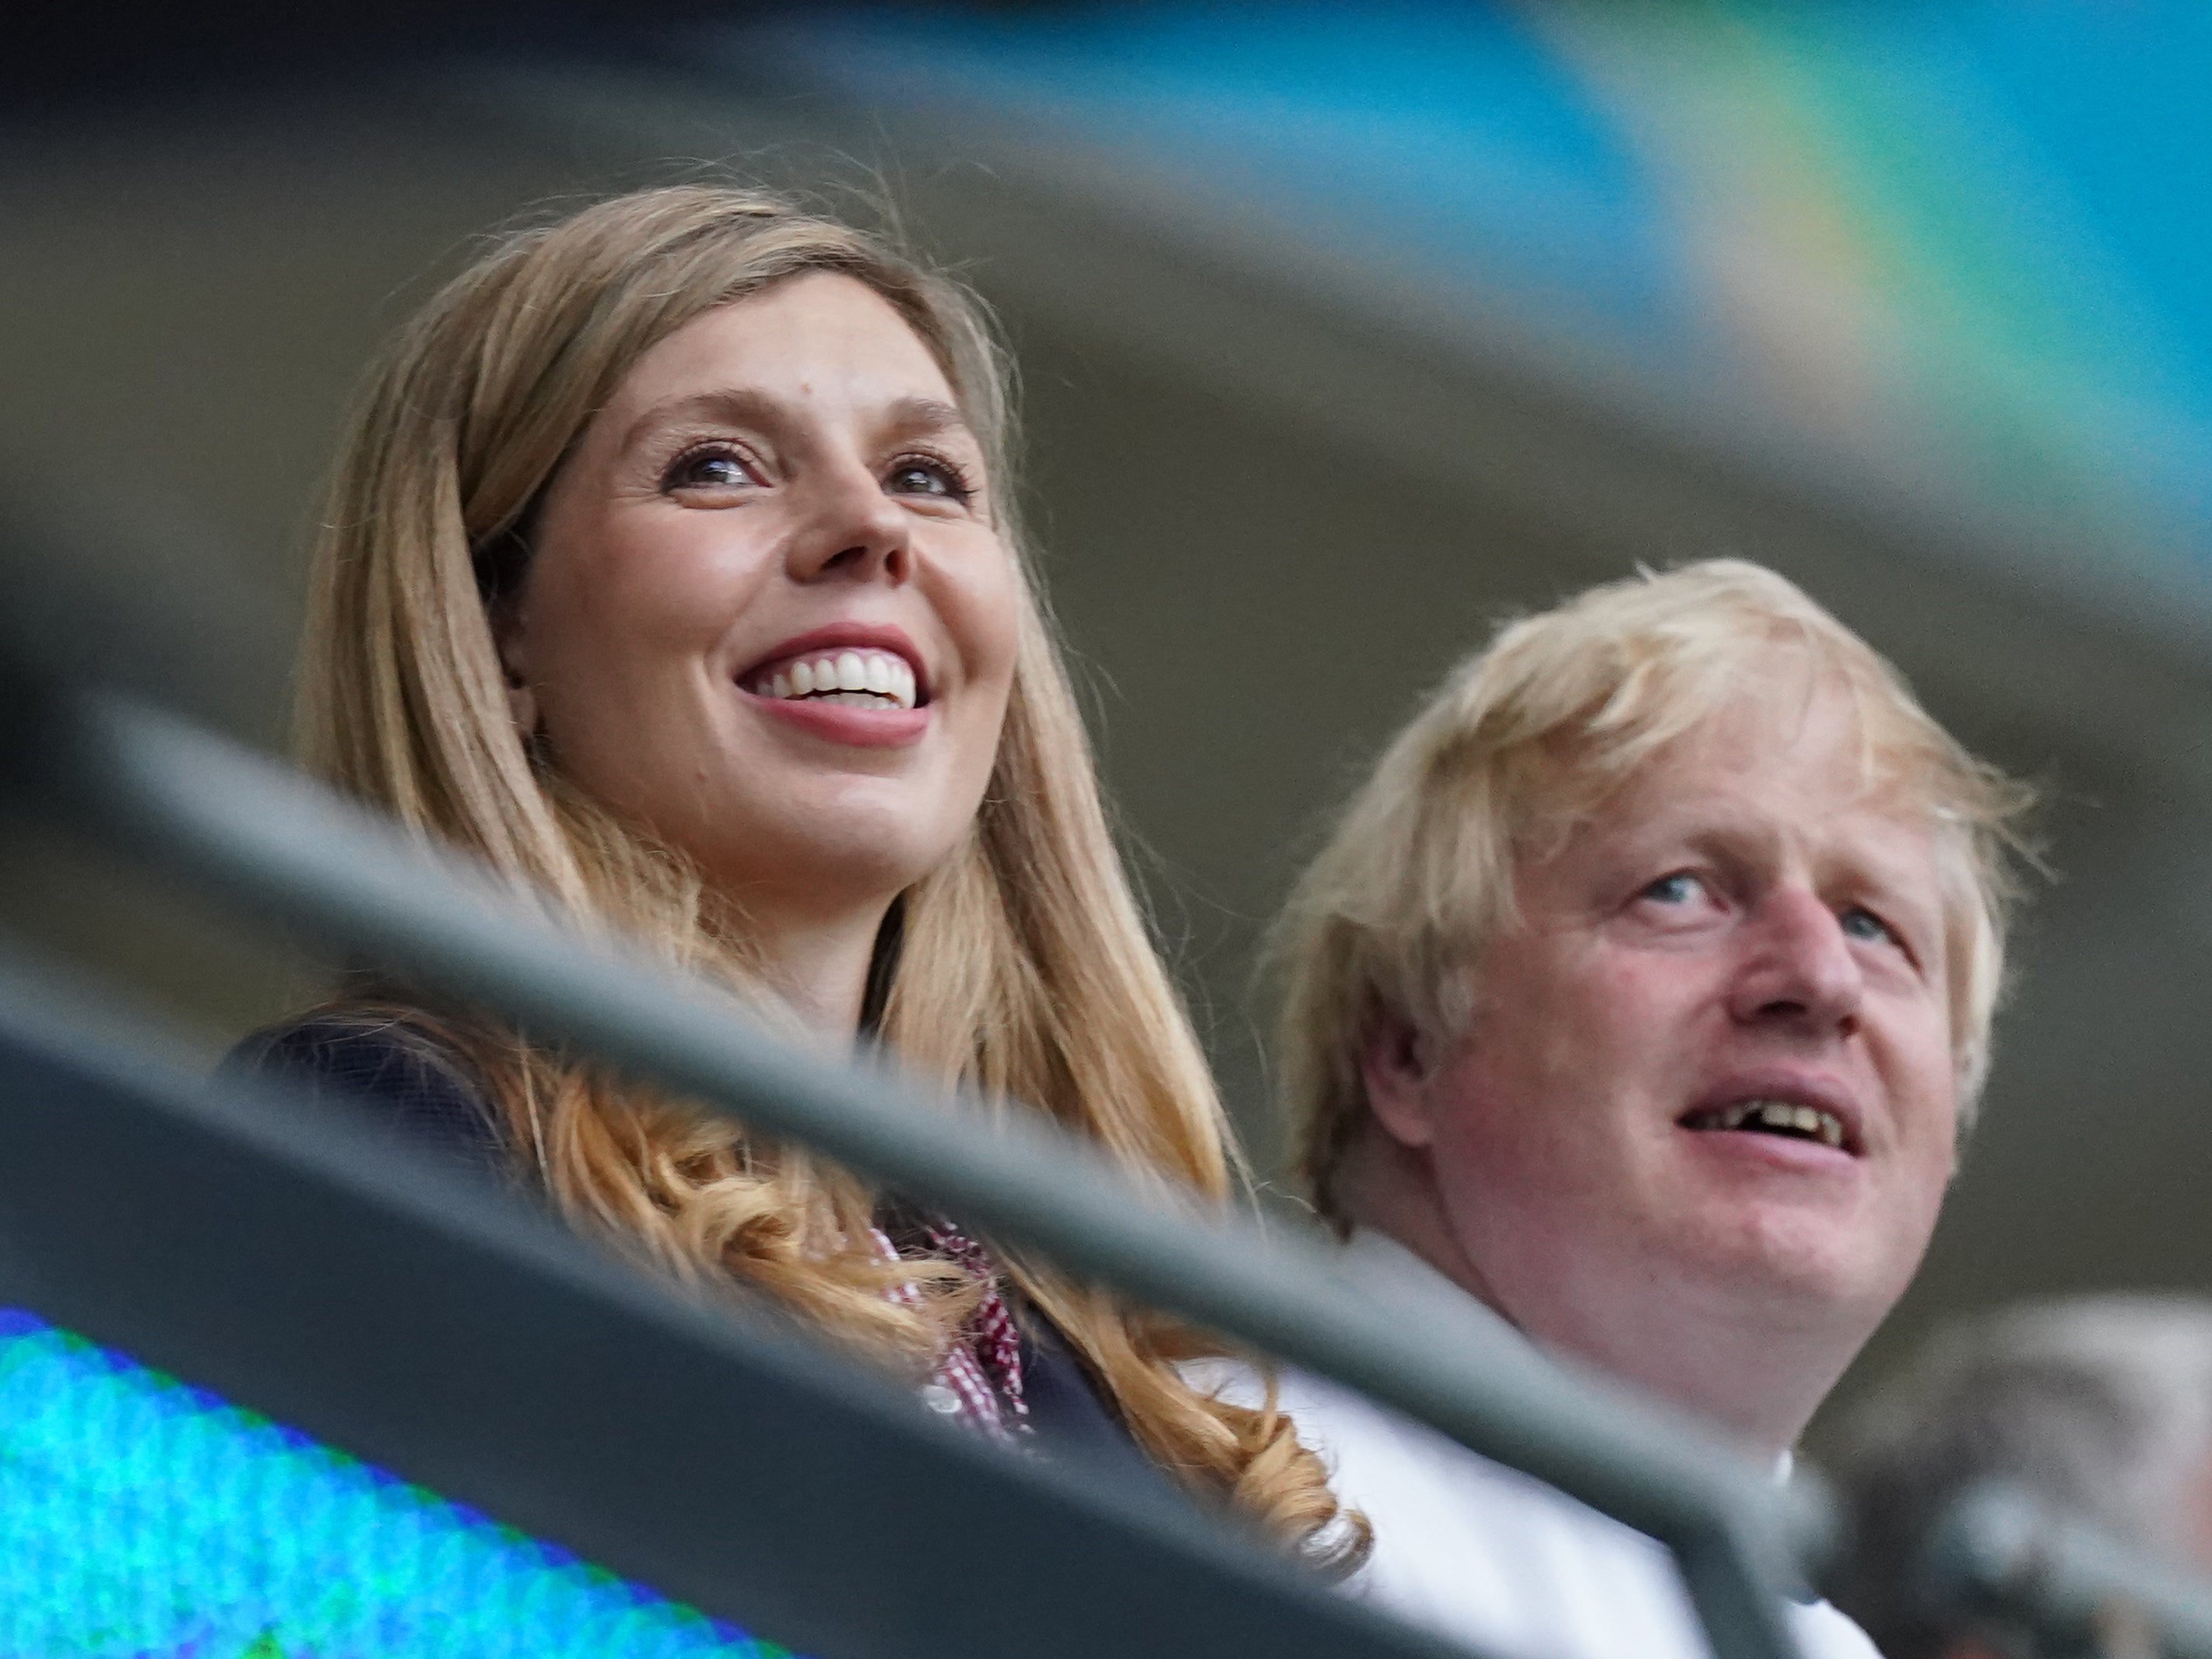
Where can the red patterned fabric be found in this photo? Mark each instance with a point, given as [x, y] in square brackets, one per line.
[978, 1379]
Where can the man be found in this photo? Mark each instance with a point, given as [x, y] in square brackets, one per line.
[1642, 995]
[2099, 1406]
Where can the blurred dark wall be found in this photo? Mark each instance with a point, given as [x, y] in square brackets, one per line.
[189, 296]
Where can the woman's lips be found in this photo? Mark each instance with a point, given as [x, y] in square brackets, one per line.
[859, 727]
[859, 685]
[877, 659]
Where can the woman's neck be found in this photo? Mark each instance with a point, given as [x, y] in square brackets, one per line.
[820, 966]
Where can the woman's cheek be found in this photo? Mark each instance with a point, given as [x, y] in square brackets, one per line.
[1000, 621]
[685, 592]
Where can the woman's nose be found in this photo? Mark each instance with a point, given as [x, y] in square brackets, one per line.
[1798, 967]
[851, 528]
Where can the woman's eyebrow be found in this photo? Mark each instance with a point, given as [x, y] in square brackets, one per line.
[926, 416]
[915, 416]
[734, 405]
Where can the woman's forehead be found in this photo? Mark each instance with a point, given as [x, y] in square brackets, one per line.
[821, 336]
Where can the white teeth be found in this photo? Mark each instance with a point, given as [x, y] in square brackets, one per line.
[880, 680]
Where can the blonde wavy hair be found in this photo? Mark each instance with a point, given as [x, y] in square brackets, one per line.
[1025, 971]
[1388, 923]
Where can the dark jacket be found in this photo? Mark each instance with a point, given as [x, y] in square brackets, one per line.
[398, 1070]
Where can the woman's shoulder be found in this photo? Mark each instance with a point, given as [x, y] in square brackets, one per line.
[382, 1059]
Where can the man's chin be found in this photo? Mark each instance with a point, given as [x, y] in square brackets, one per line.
[1801, 1257]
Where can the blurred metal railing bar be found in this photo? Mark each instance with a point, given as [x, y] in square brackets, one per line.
[2078, 1594]
[223, 818]
[308, 1261]
[220, 817]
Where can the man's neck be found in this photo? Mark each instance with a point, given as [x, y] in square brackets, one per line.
[1756, 1367]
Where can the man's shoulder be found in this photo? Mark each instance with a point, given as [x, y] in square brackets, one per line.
[1390, 1466]
[1468, 1546]
[1826, 1632]
[1343, 1425]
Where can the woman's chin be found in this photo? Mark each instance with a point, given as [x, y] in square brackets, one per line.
[823, 862]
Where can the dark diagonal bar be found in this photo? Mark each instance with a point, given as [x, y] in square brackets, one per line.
[311, 1264]
[223, 818]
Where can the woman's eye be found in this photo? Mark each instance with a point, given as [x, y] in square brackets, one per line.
[711, 469]
[915, 475]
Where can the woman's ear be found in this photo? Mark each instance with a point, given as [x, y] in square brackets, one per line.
[521, 692]
[1395, 1068]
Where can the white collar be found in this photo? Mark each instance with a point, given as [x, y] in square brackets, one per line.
[1383, 1259]
[1378, 1256]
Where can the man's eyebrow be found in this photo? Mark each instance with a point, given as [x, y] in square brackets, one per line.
[1708, 834]
[1891, 885]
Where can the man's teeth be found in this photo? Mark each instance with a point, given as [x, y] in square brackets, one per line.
[1779, 1116]
[862, 679]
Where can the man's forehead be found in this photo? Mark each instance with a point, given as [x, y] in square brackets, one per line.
[1877, 823]
[1746, 769]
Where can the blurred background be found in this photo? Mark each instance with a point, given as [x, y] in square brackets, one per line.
[1344, 332]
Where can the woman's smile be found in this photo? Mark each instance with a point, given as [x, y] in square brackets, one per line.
[853, 684]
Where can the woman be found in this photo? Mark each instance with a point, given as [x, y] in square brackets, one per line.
[672, 569]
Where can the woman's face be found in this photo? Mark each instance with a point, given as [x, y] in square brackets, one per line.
[767, 614]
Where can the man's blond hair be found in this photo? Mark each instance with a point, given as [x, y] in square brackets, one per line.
[1530, 734]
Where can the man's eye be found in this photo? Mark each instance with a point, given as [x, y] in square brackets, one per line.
[1861, 923]
[1678, 889]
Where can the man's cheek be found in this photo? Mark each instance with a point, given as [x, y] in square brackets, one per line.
[1497, 1161]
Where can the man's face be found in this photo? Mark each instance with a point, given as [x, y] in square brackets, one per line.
[1712, 1060]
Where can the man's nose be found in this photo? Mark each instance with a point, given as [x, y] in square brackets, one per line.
[1798, 968]
[849, 528]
